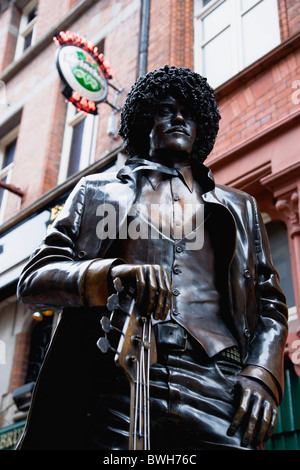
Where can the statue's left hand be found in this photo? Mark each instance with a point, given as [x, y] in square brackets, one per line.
[257, 412]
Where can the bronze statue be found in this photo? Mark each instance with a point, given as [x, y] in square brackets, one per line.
[195, 257]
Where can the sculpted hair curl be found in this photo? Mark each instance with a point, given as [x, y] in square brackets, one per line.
[137, 116]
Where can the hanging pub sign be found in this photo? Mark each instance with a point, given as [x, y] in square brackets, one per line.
[83, 70]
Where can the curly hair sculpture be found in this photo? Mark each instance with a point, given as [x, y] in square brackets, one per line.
[137, 116]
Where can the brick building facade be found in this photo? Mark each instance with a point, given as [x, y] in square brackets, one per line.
[257, 150]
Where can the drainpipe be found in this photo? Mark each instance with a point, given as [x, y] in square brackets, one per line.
[144, 38]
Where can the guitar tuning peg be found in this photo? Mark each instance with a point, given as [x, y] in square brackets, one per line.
[137, 338]
[104, 346]
[113, 302]
[132, 359]
[107, 326]
[118, 284]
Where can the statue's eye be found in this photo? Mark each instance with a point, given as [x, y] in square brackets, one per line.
[164, 110]
[187, 114]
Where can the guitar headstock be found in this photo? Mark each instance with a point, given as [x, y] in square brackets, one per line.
[127, 332]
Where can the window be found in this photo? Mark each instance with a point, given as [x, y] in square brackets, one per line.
[232, 34]
[79, 142]
[279, 245]
[26, 36]
[7, 152]
[40, 340]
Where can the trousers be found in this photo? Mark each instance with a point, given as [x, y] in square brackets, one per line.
[192, 404]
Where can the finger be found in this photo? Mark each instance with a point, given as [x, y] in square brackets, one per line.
[162, 291]
[264, 423]
[272, 424]
[140, 284]
[168, 297]
[152, 288]
[124, 276]
[252, 421]
[241, 412]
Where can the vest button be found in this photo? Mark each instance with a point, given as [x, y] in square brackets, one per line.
[247, 332]
[81, 254]
[247, 274]
[176, 292]
[175, 313]
[176, 198]
[176, 270]
[179, 249]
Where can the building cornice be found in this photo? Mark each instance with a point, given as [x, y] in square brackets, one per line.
[284, 180]
[281, 125]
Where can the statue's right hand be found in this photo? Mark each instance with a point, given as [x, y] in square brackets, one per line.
[152, 285]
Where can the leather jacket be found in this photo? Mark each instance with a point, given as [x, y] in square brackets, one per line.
[55, 275]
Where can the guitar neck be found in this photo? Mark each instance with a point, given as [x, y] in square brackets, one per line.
[135, 353]
[140, 392]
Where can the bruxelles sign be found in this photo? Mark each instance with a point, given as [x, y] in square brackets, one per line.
[83, 70]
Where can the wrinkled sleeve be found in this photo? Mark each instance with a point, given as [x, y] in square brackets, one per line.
[266, 350]
[55, 276]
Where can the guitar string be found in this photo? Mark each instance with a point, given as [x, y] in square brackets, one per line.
[145, 403]
[136, 406]
[142, 408]
[148, 383]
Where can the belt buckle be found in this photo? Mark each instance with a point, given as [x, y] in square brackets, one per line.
[171, 337]
[184, 347]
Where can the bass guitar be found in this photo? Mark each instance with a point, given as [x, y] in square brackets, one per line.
[128, 332]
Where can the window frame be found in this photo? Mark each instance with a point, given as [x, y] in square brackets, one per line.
[236, 36]
[88, 141]
[6, 172]
[26, 28]
[269, 222]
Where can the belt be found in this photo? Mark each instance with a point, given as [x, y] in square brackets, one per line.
[231, 355]
[172, 338]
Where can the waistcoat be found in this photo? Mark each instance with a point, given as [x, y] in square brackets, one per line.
[159, 232]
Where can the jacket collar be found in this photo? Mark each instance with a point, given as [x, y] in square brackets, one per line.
[134, 165]
[185, 174]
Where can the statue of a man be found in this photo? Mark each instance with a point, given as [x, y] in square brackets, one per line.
[197, 256]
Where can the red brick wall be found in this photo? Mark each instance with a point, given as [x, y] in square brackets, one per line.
[9, 24]
[50, 12]
[55, 140]
[293, 13]
[171, 34]
[159, 34]
[20, 363]
[252, 106]
[258, 103]
[121, 50]
[37, 145]
[181, 33]
[283, 20]
[37, 87]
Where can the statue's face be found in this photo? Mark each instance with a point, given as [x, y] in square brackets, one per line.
[174, 130]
